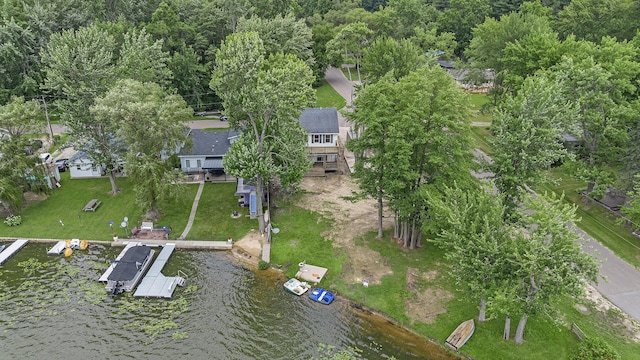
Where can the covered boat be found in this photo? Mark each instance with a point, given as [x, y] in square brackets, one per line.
[129, 269]
[461, 334]
[296, 287]
[322, 296]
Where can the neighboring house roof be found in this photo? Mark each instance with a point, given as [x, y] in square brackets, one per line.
[209, 143]
[320, 121]
[79, 157]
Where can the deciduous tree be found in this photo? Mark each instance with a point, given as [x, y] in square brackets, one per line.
[527, 133]
[149, 121]
[79, 68]
[263, 97]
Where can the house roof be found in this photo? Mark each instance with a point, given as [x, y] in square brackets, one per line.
[320, 121]
[209, 143]
[79, 156]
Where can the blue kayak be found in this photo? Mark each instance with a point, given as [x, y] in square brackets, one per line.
[322, 296]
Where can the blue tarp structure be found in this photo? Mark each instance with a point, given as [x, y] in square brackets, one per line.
[253, 205]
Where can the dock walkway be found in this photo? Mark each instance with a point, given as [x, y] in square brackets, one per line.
[180, 244]
[155, 284]
[12, 249]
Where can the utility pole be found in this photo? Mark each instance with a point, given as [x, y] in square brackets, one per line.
[46, 113]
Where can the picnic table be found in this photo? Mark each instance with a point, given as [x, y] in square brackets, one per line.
[92, 205]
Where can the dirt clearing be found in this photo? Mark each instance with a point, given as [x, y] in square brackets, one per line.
[325, 195]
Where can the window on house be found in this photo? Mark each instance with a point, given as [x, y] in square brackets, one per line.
[199, 163]
[316, 139]
[328, 139]
[188, 162]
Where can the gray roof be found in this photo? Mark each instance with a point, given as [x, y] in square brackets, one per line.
[209, 143]
[320, 121]
[79, 156]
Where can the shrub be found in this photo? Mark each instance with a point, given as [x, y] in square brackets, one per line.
[594, 348]
[263, 265]
[13, 220]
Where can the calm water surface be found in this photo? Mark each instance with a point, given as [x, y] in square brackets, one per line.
[53, 308]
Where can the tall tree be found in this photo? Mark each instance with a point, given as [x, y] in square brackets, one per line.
[551, 263]
[415, 138]
[470, 225]
[592, 19]
[461, 17]
[347, 47]
[263, 97]
[142, 59]
[149, 121]
[79, 68]
[527, 136]
[282, 34]
[490, 38]
[17, 119]
[388, 55]
[19, 63]
[600, 86]
[190, 78]
[374, 112]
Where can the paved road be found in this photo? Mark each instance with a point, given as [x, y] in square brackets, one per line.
[621, 283]
[198, 124]
[345, 88]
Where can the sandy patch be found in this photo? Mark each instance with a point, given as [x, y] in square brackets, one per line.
[426, 304]
[249, 248]
[616, 317]
[351, 219]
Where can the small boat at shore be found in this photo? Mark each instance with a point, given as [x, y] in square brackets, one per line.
[2, 247]
[296, 287]
[66, 247]
[461, 334]
[129, 269]
[322, 296]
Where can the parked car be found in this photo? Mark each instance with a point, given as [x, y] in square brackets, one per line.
[224, 118]
[62, 164]
[45, 157]
[33, 146]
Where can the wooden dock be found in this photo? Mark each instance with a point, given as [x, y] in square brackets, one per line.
[12, 249]
[311, 273]
[155, 284]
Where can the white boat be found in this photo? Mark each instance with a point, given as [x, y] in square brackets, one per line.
[129, 269]
[461, 334]
[67, 247]
[58, 248]
[296, 287]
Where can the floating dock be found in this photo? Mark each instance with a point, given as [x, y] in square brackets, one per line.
[311, 273]
[155, 284]
[12, 249]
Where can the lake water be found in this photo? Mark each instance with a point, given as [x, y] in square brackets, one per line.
[53, 308]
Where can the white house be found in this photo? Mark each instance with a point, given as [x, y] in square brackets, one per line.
[208, 149]
[322, 140]
[82, 166]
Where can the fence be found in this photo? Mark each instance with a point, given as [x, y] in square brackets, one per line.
[577, 331]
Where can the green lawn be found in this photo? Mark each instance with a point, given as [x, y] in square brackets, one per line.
[595, 220]
[42, 219]
[300, 239]
[213, 219]
[480, 136]
[328, 97]
[478, 102]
